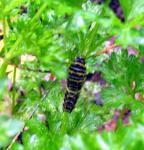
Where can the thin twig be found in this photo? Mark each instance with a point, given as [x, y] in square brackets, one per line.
[106, 50]
[34, 70]
[14, 90]
[26, 68]
[30, 115]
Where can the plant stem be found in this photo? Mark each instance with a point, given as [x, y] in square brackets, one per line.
[3, 68]
[4, 32]
[4, 24]
[65, 123]
[14, 90]
[32, 113]
[42, 8]
[12, 53]
[9, 56]
[106, 50]
[85, 107]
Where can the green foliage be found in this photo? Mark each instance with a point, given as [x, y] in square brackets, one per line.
[3, 83]
[121, 72]
[9, 128]
[132, 8]
[55, 32]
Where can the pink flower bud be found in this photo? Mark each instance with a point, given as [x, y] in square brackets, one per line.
[111, 125]
[137, 96]
[10, 85]
[131, 51]
[42, 117]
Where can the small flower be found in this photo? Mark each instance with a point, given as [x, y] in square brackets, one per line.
[98, 100]
[42, 117]
[125, 120]
[126, 115]
[49, 76]
[100, 128]
[94, 77]
[10, 86]
[131, 51]
[141, 59]
[111, 125]
[98, 1]
[137, 96]
[103, 83]
[116, 115]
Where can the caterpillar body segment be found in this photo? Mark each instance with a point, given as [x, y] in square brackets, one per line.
[75, 81]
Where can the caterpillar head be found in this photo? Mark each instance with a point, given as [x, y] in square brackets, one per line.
[80, 60]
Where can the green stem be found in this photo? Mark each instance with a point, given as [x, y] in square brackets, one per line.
[12, 53]
[8, 56]
[85, 107]
[9, 23]
[89, 40]
[65, 123]
[4, 24]
[4, 32]
[14, 91]
[3, 68]
[39, 12]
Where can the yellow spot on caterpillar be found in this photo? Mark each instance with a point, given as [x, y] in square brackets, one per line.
[81, 81]
[74, 92]
[77, 73]
[80, 64]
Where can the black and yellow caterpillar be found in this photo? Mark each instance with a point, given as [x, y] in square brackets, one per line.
[75, 81]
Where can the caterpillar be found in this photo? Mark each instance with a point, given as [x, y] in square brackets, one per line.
[75, 81]
[76, 78]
